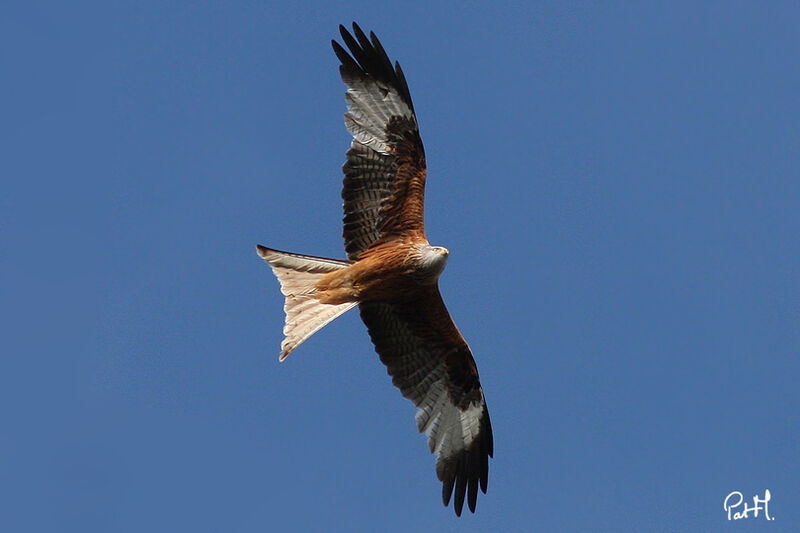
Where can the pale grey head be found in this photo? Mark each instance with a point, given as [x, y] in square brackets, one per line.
[432, 260]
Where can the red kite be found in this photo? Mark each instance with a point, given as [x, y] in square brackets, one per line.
[392, 272]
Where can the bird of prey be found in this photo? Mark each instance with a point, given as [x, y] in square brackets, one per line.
[392, 272]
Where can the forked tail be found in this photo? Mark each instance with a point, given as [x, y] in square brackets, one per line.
[298, 276]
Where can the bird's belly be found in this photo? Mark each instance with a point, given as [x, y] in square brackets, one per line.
[388, 279]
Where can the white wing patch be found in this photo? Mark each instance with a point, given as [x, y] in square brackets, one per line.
[448, 428]
[370, 107]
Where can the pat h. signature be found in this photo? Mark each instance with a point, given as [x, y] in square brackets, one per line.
[733, 506]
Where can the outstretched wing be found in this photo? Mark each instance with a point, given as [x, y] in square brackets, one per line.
[384, 183]
[431, 364]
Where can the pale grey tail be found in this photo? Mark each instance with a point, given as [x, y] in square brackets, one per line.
[298, 276]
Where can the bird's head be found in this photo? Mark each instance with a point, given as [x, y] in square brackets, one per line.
[433, 260]
[441, 250]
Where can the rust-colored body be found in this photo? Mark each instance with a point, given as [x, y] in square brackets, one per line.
[393, 271]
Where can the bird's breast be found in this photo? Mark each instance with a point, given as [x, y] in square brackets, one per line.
[387, 274]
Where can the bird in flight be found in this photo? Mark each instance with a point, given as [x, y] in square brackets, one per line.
[392, 272]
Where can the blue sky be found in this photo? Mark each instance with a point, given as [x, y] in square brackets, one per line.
[618, 187]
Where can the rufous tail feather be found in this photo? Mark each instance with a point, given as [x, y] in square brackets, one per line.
[298, 276]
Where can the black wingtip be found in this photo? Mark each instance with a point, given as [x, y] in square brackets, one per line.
[367, 55]
[447, 490]
[362, 38]
[467, 471]
[344, 58]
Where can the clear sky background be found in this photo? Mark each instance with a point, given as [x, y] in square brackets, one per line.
[618, 187]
